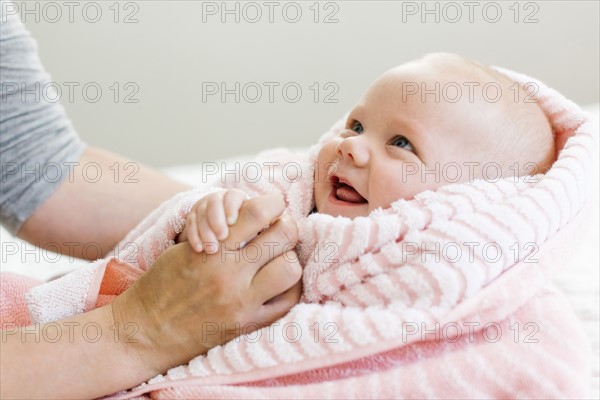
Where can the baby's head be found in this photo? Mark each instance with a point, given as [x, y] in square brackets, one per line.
[427, 123]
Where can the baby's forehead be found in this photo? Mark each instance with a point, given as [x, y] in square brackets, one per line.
[441, 89]
[443, 72]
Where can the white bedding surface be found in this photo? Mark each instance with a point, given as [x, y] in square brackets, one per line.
[579, 280]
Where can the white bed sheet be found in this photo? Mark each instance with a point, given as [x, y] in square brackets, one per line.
[579, 280]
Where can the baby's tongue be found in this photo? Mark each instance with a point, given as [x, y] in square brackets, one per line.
[347, 193]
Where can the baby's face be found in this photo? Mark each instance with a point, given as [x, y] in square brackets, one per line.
[392, 138]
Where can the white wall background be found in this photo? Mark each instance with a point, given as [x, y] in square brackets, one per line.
[170, 52]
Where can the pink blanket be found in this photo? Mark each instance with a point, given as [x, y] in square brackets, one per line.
[445, 295]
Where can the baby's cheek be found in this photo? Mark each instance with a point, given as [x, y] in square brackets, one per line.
[401, 185]
[385, 190]
[325, 161]
[317, 197]
[320, 192]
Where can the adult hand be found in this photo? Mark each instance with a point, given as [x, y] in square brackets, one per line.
[186, 298]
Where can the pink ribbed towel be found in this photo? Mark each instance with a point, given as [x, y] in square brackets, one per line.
[378, 317]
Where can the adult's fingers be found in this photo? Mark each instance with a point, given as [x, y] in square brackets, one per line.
[280, 237]
[276, 277]
[255, 214]
[279, 305]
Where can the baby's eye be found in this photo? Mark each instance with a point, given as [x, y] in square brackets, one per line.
[357, 127]
[401, 141]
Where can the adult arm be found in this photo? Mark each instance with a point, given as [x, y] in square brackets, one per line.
[192, 289]
[86, 209]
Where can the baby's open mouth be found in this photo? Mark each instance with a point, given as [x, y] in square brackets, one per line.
[345, 192]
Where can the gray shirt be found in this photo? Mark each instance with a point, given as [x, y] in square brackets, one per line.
[38, 146]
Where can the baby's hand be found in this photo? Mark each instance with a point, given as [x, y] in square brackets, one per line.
[209, 219]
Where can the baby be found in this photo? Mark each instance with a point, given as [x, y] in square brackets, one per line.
[434, 121]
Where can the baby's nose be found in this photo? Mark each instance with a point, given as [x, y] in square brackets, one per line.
[355, 149]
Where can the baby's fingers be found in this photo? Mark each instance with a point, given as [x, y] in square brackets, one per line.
[192, 232]
[215, 214]
[208, 237]
[232, 203]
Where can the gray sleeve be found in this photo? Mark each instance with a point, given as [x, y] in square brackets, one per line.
[38, 145]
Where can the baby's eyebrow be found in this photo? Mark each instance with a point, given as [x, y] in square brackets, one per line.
[356, 112]
[407, 127]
